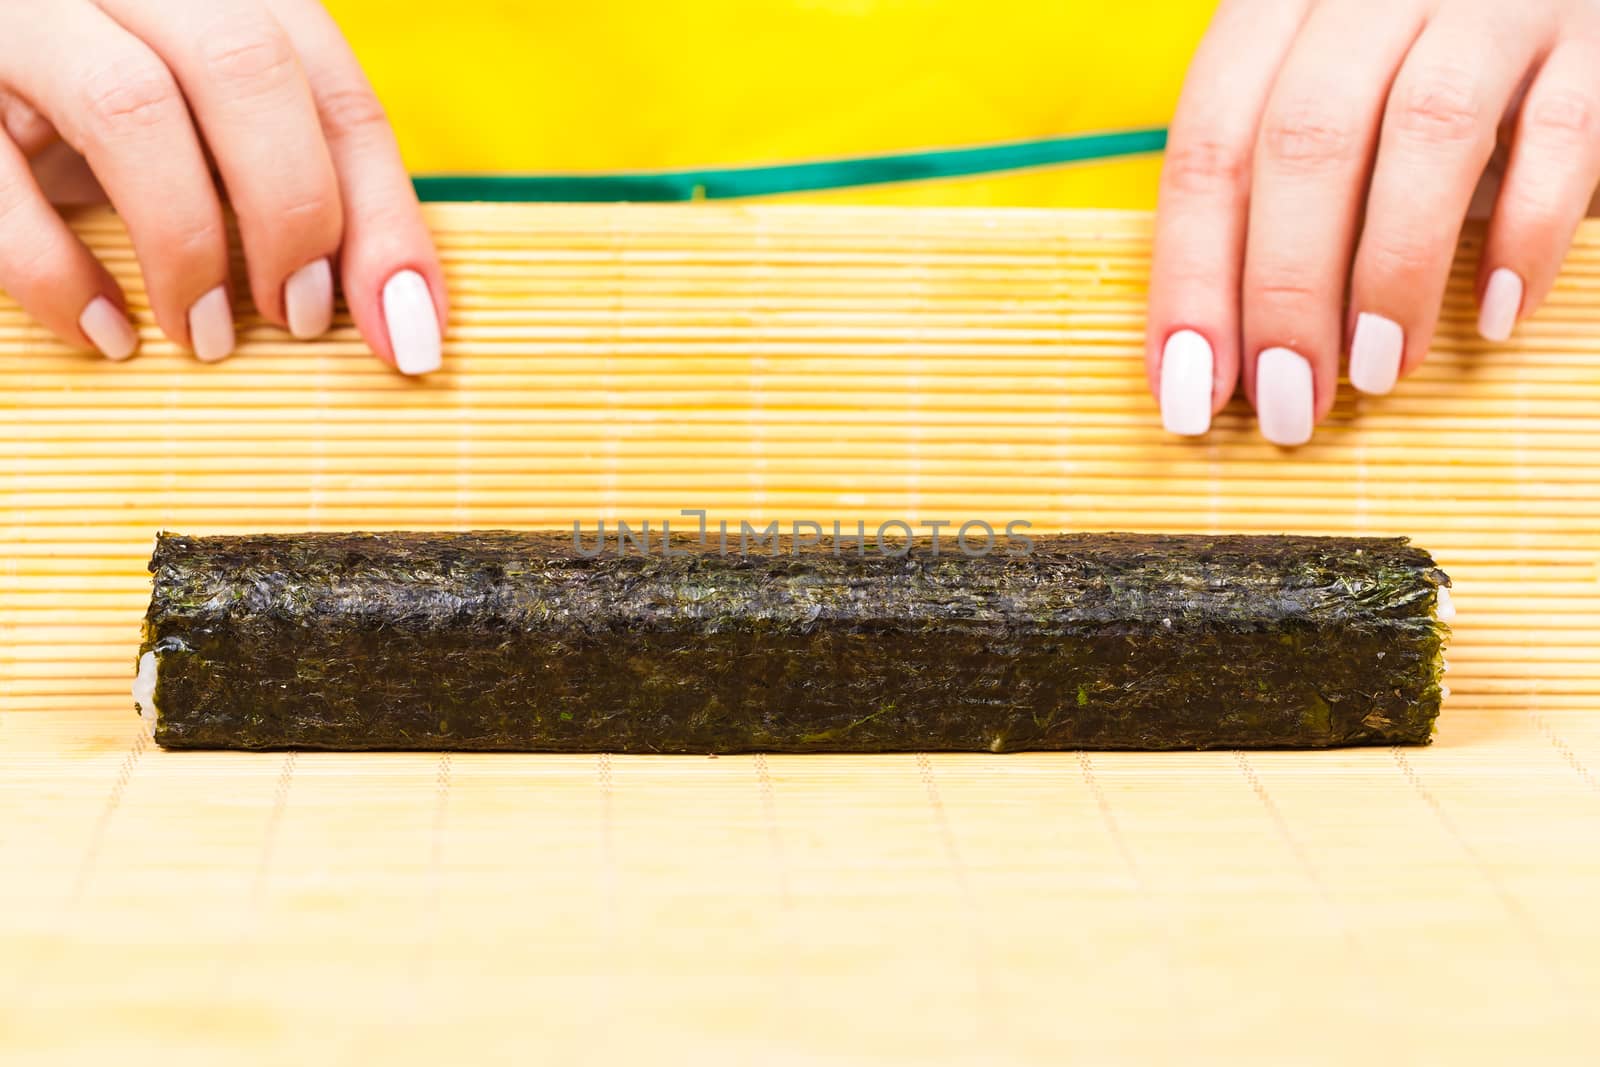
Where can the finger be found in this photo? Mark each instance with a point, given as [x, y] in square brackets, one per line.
[389, 267]
[249, 95]
[1550, 178]
[1438, 135]
[22, 123]
[1192, 340]
[50, 273]
[1312, 154]
[116, 102]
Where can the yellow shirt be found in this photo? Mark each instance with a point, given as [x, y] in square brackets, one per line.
[587, 87]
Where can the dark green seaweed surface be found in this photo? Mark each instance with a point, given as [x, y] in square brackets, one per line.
[514, 641]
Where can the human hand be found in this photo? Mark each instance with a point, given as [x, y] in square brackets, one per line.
[144, 91]
[1326, 149]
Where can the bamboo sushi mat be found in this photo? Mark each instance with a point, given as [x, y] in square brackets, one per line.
[1415, 905]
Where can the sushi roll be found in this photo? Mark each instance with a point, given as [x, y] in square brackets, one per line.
[528, 641]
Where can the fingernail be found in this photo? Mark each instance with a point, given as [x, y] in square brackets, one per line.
[413, 323]
[1186, 370]
[1284, 397]
[1502, 299]
[1375, 352]
[211, 326]
[308, 300]
[108, 329]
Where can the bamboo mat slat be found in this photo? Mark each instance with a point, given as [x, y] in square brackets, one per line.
[617, 362]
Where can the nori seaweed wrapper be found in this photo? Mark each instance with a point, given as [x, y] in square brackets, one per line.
[516, 641]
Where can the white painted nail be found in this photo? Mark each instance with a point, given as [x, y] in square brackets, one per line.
[108, 329]
[1186, 376]
[1447, 608]
[211, 326]
[413, 323]
[1284, 398]
[308, 300]
[1502, 302]
[1375, 353]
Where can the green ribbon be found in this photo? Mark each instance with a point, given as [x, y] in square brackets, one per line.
[735, 182]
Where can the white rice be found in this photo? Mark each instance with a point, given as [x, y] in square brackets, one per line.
[144, 690]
